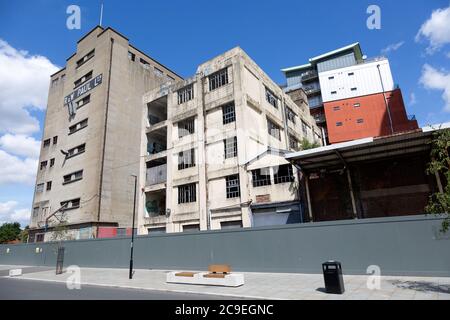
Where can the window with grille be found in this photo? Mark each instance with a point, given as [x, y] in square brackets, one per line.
[305, 128]
[131, 56]
[273, 129]
[186, 127]
[83, 79]
[185, 94]
[46, 143]
[228, 113]
[290, 114]
[232, 186]
[72, 177]
[49, 186]
[71, 204]
[293, 143]
[218, 79]
[78, 126]
[271, 98]
[186, 159]
[230, 146]
[76, 151]
[283, 174]
[83, 101]
[86, 58]
[261, 177]
[187, 193]
[43, 165]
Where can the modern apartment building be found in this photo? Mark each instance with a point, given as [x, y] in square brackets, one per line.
[351, 97]
[212, 150]
[91, 138]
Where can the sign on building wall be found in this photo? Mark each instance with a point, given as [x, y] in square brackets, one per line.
[88, 86]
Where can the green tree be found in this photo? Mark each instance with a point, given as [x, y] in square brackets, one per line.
[439, 203]
[9, 232]
[24, 234]
[305, 144]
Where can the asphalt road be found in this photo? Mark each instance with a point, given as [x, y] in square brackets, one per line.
[18, 289]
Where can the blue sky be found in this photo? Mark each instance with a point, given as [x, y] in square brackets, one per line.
[183, 34]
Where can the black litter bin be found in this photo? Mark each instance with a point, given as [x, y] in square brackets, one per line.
[332, 275]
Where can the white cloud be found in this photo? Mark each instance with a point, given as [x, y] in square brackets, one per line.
[20, 145]
[412, 99]
[24, 82]
[10, 213]
[16, 170]
[437, 80]
[436, 29]
[392, 47]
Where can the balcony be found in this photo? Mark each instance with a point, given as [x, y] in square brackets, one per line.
[157, 111]
[156, 175]
[309, 75]
[155, 205]
[319, 118]
[311, 90]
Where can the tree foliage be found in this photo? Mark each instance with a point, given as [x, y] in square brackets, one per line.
[9, 232]
[305, 144]
[439, 203]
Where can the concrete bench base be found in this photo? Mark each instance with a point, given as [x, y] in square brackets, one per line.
[230, 280]
[15, 272]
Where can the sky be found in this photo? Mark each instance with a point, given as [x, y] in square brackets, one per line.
[35, 42]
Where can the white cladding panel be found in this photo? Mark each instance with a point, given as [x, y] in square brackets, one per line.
[358, 80]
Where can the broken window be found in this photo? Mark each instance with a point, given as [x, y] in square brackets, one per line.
[76, 151]
[283, 174]
[72, 177]
[261, 177]
[85, 58]
[186, 159]
[78, 126]
[70, 204]
[83, 101]
[83, 79]
[186, 127]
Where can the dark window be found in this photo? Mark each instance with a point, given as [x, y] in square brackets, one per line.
[186, 127]
[230, 147]
[52, 162]
[231, 224]
[143, 62]
[191, 227]
[71, 204]
[305, 128]
[351, 73]
[283, 174]
[49, 186]
[186, 159]
[271, 98]
[40, 237]
[290, 114]
[78, 126]
[72, 177]
[353, 89]
[228, 113]
[359, 120]
[55, 140]
[339, 124]
[43, 164]
[83, 101]
[75, 151]
[333, 92]
[337, 108]
[218, 79]
[261, 177]
[85, 58]
[187, 193]
[131, 56]
[46, 143]
[232, 186]
[273, 129]
[331, 78]
[185, 94]
[83, 79]
[293, 142]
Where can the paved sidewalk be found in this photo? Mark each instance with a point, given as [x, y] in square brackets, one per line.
[266, 285]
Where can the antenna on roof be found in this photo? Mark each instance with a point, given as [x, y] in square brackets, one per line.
[101, 14]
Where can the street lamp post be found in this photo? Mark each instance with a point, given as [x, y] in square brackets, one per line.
[132, 228]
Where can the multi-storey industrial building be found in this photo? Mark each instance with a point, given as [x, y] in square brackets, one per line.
[350, 96]
[213, 150]
[91, 137]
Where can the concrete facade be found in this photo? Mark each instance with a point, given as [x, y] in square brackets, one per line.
[91, 145]
[205, 137]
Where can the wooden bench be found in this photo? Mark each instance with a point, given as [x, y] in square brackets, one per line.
[218, 271]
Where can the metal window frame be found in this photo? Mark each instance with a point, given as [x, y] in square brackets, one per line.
[187, 127]
[218, 79]
[284, 177]
[258, 180]
[230, 147]
[271, 98]
[186, 159]
[273, 129]
[187, 193]
[232, 186]
[228, 113]
[185, 94]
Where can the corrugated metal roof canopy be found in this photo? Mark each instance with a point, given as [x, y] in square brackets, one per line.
[361, 150]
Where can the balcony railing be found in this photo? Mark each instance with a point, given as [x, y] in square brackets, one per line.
[156, 175]
[309, 75]
[311, 90]
[320, 118]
